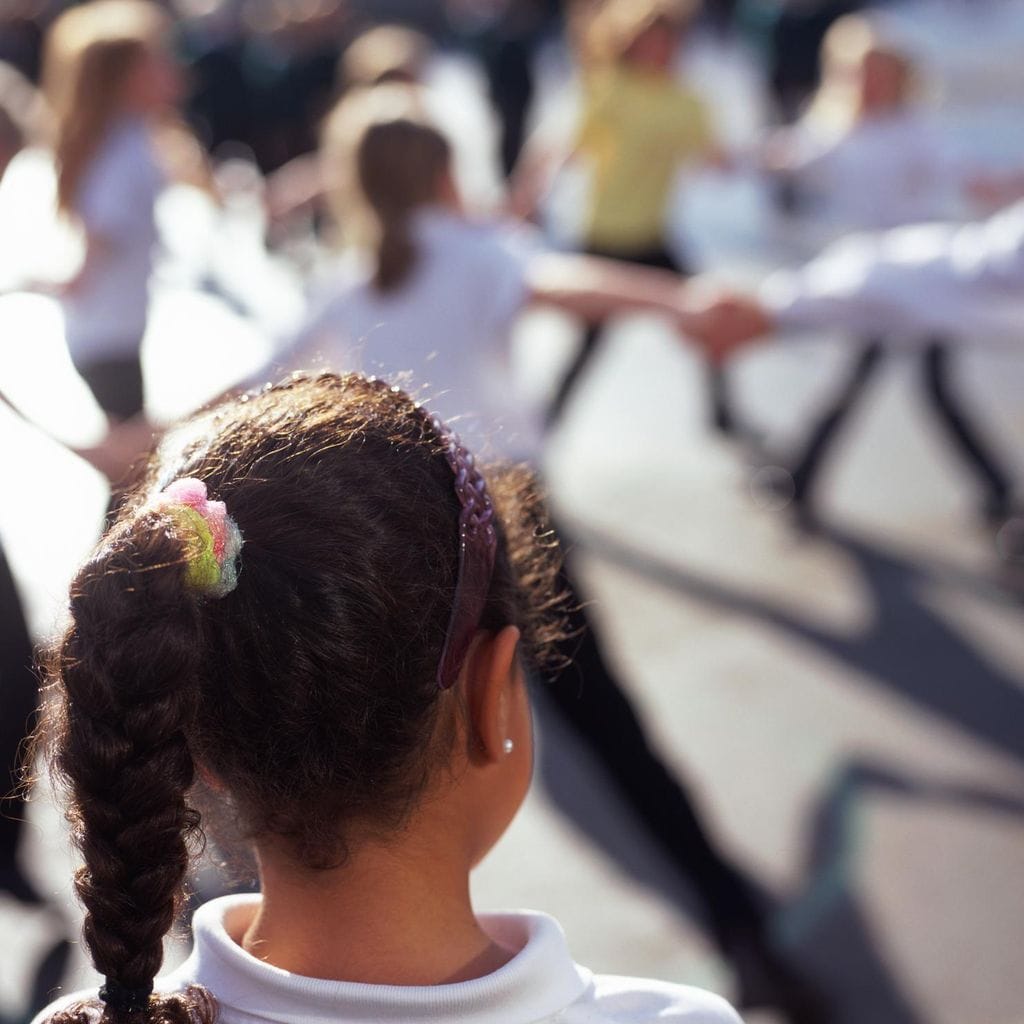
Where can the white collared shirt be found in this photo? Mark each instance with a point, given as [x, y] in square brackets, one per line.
[541, 983]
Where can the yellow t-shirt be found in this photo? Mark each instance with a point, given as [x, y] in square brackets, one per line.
[637, 129]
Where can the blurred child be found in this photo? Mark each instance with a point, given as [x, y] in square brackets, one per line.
[439, 292]
[639, 127]
[438, 296]
[384, 53]
[394, 54]
[319, 606]
[865, 156]
[112, 86]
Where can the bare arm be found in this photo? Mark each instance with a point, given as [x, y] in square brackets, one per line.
[594, 289]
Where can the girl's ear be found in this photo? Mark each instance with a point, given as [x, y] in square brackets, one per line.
[490, 675]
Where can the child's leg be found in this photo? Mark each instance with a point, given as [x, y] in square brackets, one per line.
[808, 464]
[116, 385]
[976, 451]
[659, 258]
[570, 379]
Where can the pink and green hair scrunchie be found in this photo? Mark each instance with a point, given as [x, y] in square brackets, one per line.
[213, 562]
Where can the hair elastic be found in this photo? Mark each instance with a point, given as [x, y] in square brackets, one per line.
[121, 997]
[213, 562]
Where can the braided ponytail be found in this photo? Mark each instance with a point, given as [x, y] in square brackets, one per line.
[128, 666]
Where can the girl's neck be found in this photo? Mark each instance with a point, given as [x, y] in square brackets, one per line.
[380, 919]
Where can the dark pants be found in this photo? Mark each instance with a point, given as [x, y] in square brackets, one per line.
[116, 384]
[588, 698]
[509, 69]
[660, 259]
[19, 696]
[966, 437]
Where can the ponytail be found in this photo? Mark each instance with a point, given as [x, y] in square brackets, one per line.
[128, 671]
[396, 252]
[382, 153]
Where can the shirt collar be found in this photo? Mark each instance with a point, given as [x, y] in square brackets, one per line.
[539, 981]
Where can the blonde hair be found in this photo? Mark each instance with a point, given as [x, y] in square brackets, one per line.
[611, 30]
[90, 52]
[386, 53]
[850, 42]
[382, 160]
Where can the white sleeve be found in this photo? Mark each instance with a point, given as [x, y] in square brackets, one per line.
[505, 291]
[965, 281]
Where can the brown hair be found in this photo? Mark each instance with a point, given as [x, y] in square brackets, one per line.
[309, 692]
[90, 52]
[384, 160]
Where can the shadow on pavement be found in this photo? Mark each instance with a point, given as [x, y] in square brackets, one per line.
[907, 648]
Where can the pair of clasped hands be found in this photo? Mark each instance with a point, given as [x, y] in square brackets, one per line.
[721, 320]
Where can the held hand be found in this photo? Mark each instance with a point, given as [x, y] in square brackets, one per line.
[723, 322]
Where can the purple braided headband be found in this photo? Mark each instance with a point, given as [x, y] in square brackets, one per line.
[478, 543]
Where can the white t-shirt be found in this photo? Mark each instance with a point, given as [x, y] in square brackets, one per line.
[541, 983]
[444, 332]
[105, 315]
[886, 171]
[961, 281]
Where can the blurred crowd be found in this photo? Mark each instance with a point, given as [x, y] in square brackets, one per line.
[302, 165]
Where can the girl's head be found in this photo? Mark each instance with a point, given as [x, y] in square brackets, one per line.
[644, 34]
[385, 161]
[862, 74]
[103, 60]
[309, 694]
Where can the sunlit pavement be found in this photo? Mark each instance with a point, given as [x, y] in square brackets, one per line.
[848, 704]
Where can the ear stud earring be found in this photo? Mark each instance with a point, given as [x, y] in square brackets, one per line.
[508, 746]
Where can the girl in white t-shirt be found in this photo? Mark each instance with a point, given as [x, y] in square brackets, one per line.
[111, 84]
[317, 610]
[438, 293]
